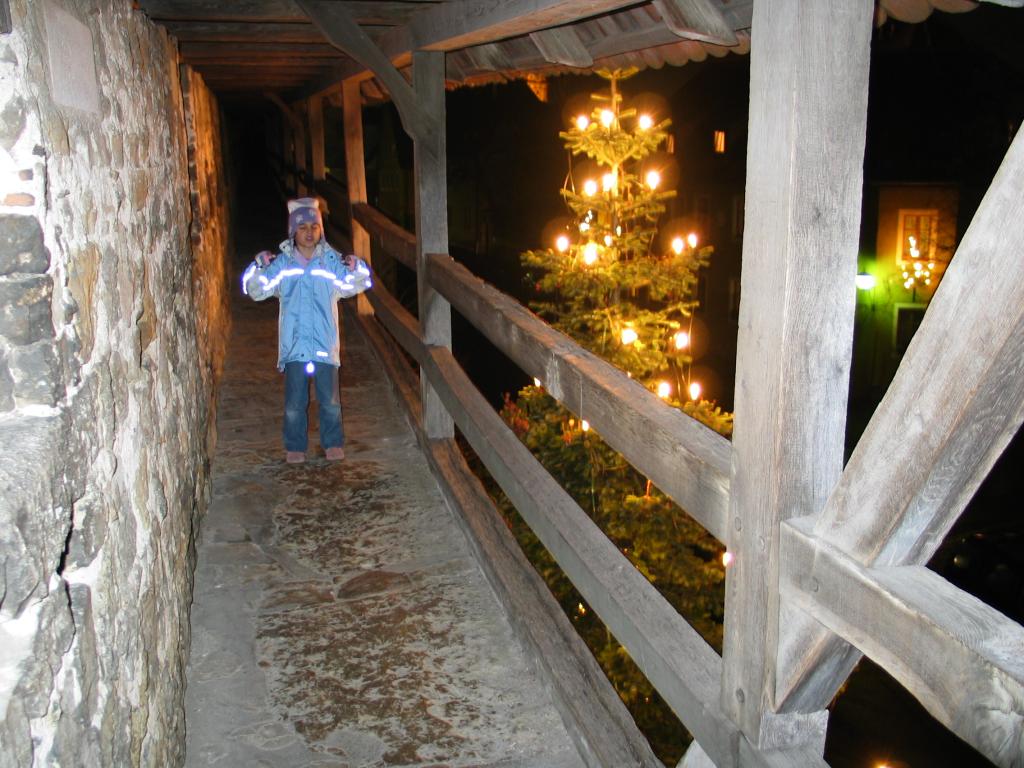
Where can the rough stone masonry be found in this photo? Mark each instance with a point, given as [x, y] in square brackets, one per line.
[112, 307]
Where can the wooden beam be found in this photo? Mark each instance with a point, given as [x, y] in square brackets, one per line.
[430, 176]
[448, 26]
[696, 20]
[396, 242]
[244, 33]
[367, 12]
[954, 404]
[562, 46]
[355, 173]
[267, 50]
[963, 660]
[250, 67]
[488, 57]
[685, 459]
[338, 26]
[808, 89]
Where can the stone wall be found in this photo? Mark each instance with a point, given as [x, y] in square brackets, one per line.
[112, 315]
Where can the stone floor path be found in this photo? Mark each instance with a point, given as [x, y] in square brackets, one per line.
[339, 617]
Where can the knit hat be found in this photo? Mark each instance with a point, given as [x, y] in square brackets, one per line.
[305, 210]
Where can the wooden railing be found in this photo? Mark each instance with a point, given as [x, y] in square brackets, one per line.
[691, 464]
[687, 460]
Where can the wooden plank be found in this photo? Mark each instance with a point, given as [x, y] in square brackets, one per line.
[963, 660]
[399, 323]
[920, 461]
[266, 50]
[562, 46]
[488, 56]
[375, 12]
[397, 242]
[450, 26]
[338, 26]
[685, 459]
[808, 88]
[696, 20]
[213, 31]
[430, 176]
[216, 67]
[355, 172]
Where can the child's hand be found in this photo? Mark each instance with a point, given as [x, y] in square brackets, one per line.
[350, 261]
[263, 258]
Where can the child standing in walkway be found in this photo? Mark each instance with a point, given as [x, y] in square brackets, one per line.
[308, 276]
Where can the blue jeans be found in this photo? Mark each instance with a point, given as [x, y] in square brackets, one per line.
[296, 406]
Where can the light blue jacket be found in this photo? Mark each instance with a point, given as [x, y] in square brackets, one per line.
[308, 320]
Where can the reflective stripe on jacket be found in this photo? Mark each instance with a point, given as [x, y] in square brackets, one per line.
[308, 319]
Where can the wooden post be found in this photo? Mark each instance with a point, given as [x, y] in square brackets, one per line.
[808, 106]
[315, 111]
[431, 222]
[355, 173]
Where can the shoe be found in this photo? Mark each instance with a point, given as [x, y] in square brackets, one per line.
[295, 457]
[335, 454]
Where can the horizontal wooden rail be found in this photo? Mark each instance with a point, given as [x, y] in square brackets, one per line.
[399, 244]
[963, 660]
[685, 459]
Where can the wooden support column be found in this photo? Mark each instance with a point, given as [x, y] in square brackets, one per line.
[315, 117]
[431, 223]
[808, 106]
[355, 173]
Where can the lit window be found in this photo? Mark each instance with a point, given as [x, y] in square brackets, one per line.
[720, 142]
[918, 236]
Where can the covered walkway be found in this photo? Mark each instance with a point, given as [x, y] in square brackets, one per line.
[339, 616]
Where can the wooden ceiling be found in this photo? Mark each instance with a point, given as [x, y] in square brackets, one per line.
[282, 46]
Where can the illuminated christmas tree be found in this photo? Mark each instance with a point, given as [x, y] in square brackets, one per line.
[626, 292]
[612, 281]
